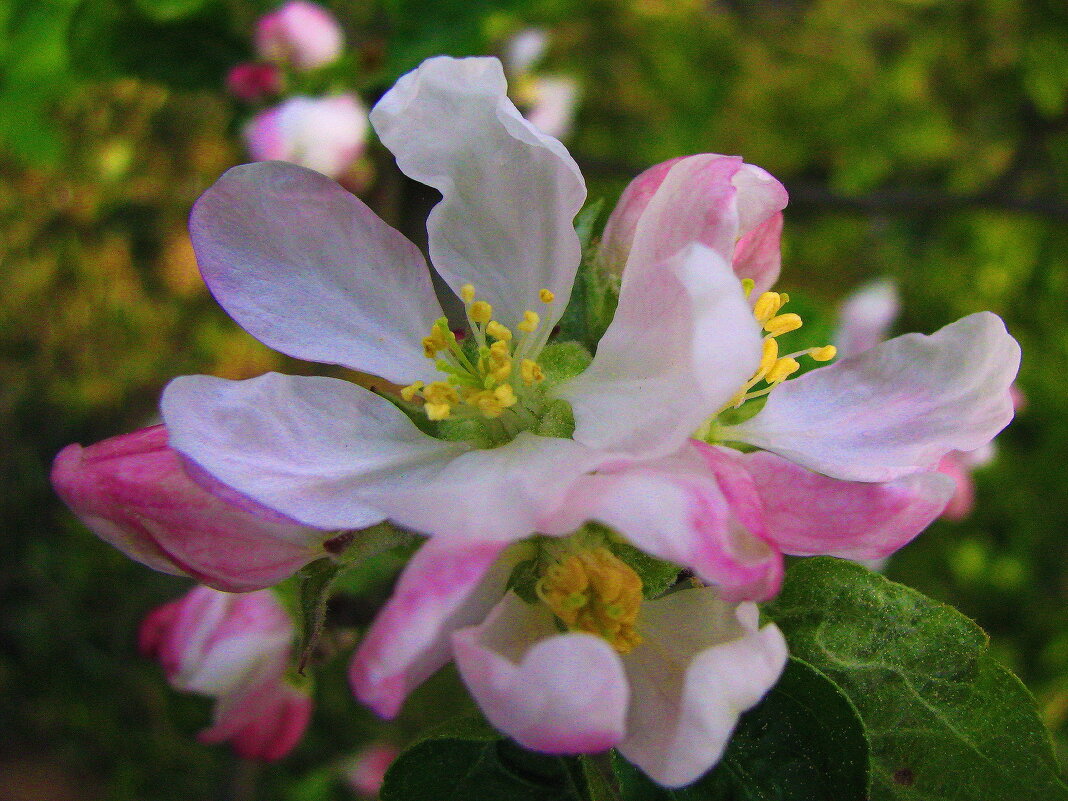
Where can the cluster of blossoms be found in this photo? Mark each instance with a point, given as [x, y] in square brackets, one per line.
[547, 480]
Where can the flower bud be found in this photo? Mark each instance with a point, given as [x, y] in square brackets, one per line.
[368, 770]
[251, 82]
[139, 495]
[299, 33]
[325, 134]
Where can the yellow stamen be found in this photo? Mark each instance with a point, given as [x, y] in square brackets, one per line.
[481, 312]
[748, 284]
[546, 296]
[595, 592]
[782, 370]
[410, 391]
[824, 354]
[437, 411]
[531, 372]
[467, 292]
[530, 322]
[500, 361]
[440, 398]
[767, 359]
[767, 306]
[782, 324]
[498, 331]
[434, 342]
[505, 395]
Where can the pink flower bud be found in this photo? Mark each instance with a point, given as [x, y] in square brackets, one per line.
[324, 134]
[235, 648]
[252, 82]
[139, 495]
[368, 770]
[300, 33]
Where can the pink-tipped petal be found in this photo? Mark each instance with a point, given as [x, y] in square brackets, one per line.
[136, 493]
[550, 692]
[866, 317]
[962, 500]
[314, 448]
[510, 193]
[809, 514]
[308, 269]
[674, 509]
[895, 409]
[264, 721]
[758, 255]
[443, 588]
[703, 664]
[325, 134]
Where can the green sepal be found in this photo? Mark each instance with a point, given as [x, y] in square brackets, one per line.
[523, 579]
[558, 420]
[657, 575]
[562, 361]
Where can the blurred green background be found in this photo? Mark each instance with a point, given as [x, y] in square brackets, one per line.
[926, 141]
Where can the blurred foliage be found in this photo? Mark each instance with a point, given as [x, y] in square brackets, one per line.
[922, 140]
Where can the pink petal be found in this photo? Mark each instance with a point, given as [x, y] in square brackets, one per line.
[136, 494]
[443, 588]
[308, 269]
[962, 500]
[704, 662]
[550, 692]
[314, 448]
[325, 134]
[758, 255]
[682, 342]
[895, 409]
[510, 192]
[300, 33]
[809, 514]
[866, 317]
[674, 509]
[264, 721]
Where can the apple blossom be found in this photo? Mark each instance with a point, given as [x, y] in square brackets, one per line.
[236, 649]
[326, 134]
[252, 82]
[368, 769]
[141, 496]
[299, 33]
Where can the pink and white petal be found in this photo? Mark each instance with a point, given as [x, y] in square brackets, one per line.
[501, 494]
[312, 448]
[866, 317]
[308, 269]
[704, 663]
[550, 692]
[963, 497]
[758, 256]
[809, 514]
[674, 509]
[510, 192]
[895, 409]
[443, 588]
[682, 342]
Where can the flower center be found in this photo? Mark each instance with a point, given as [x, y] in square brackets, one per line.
[594, 591]
[495, 380]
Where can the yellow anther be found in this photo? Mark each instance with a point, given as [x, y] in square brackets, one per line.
[594, 591]
[467, 292]
[411, 390]
[782, 324]
[530, 322]
[441, 393]
[434, 342]
[768, 357]
[499, 361]
[505, 395]
[783, 369]
[748, 285]
[498, 331]
[784, 298]
[437, 411]
[531, 372]
[546, 296]
[767, 306]
[824, 354]
[481, 312]
[486, 402]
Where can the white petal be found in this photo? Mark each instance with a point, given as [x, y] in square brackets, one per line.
[312, 448]
[704, 662]
[510, 192]
[896, 408]
[866, 317]
[308, 269]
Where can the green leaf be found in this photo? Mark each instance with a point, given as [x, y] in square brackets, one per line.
[804, 742]
[945, 721]
[168, 10]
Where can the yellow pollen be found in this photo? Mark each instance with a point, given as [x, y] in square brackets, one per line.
[434, 342]
[437, 411]
[824, 354]
[530, 322]
[500, 361]
[531, 372]
[410, 391]
[467, 292]
[767, 306]
[505, 395]
[546, 296]
[768, 357]
[782, 324]
[481, 312]
[498, 331]
[782, 370]
[595, 592]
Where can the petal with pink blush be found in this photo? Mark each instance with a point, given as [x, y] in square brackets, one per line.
[809, 514]
[550, 692]
[703, 664]
[308, 269]
[866, 317]
[262, 721]
[443, 588]
[959, 472]
[674, 509]
[758, 255]
[313, 448]
[510, 193]
[895, 409]
[682, 342]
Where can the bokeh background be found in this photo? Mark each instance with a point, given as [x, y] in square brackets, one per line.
[923, 141]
